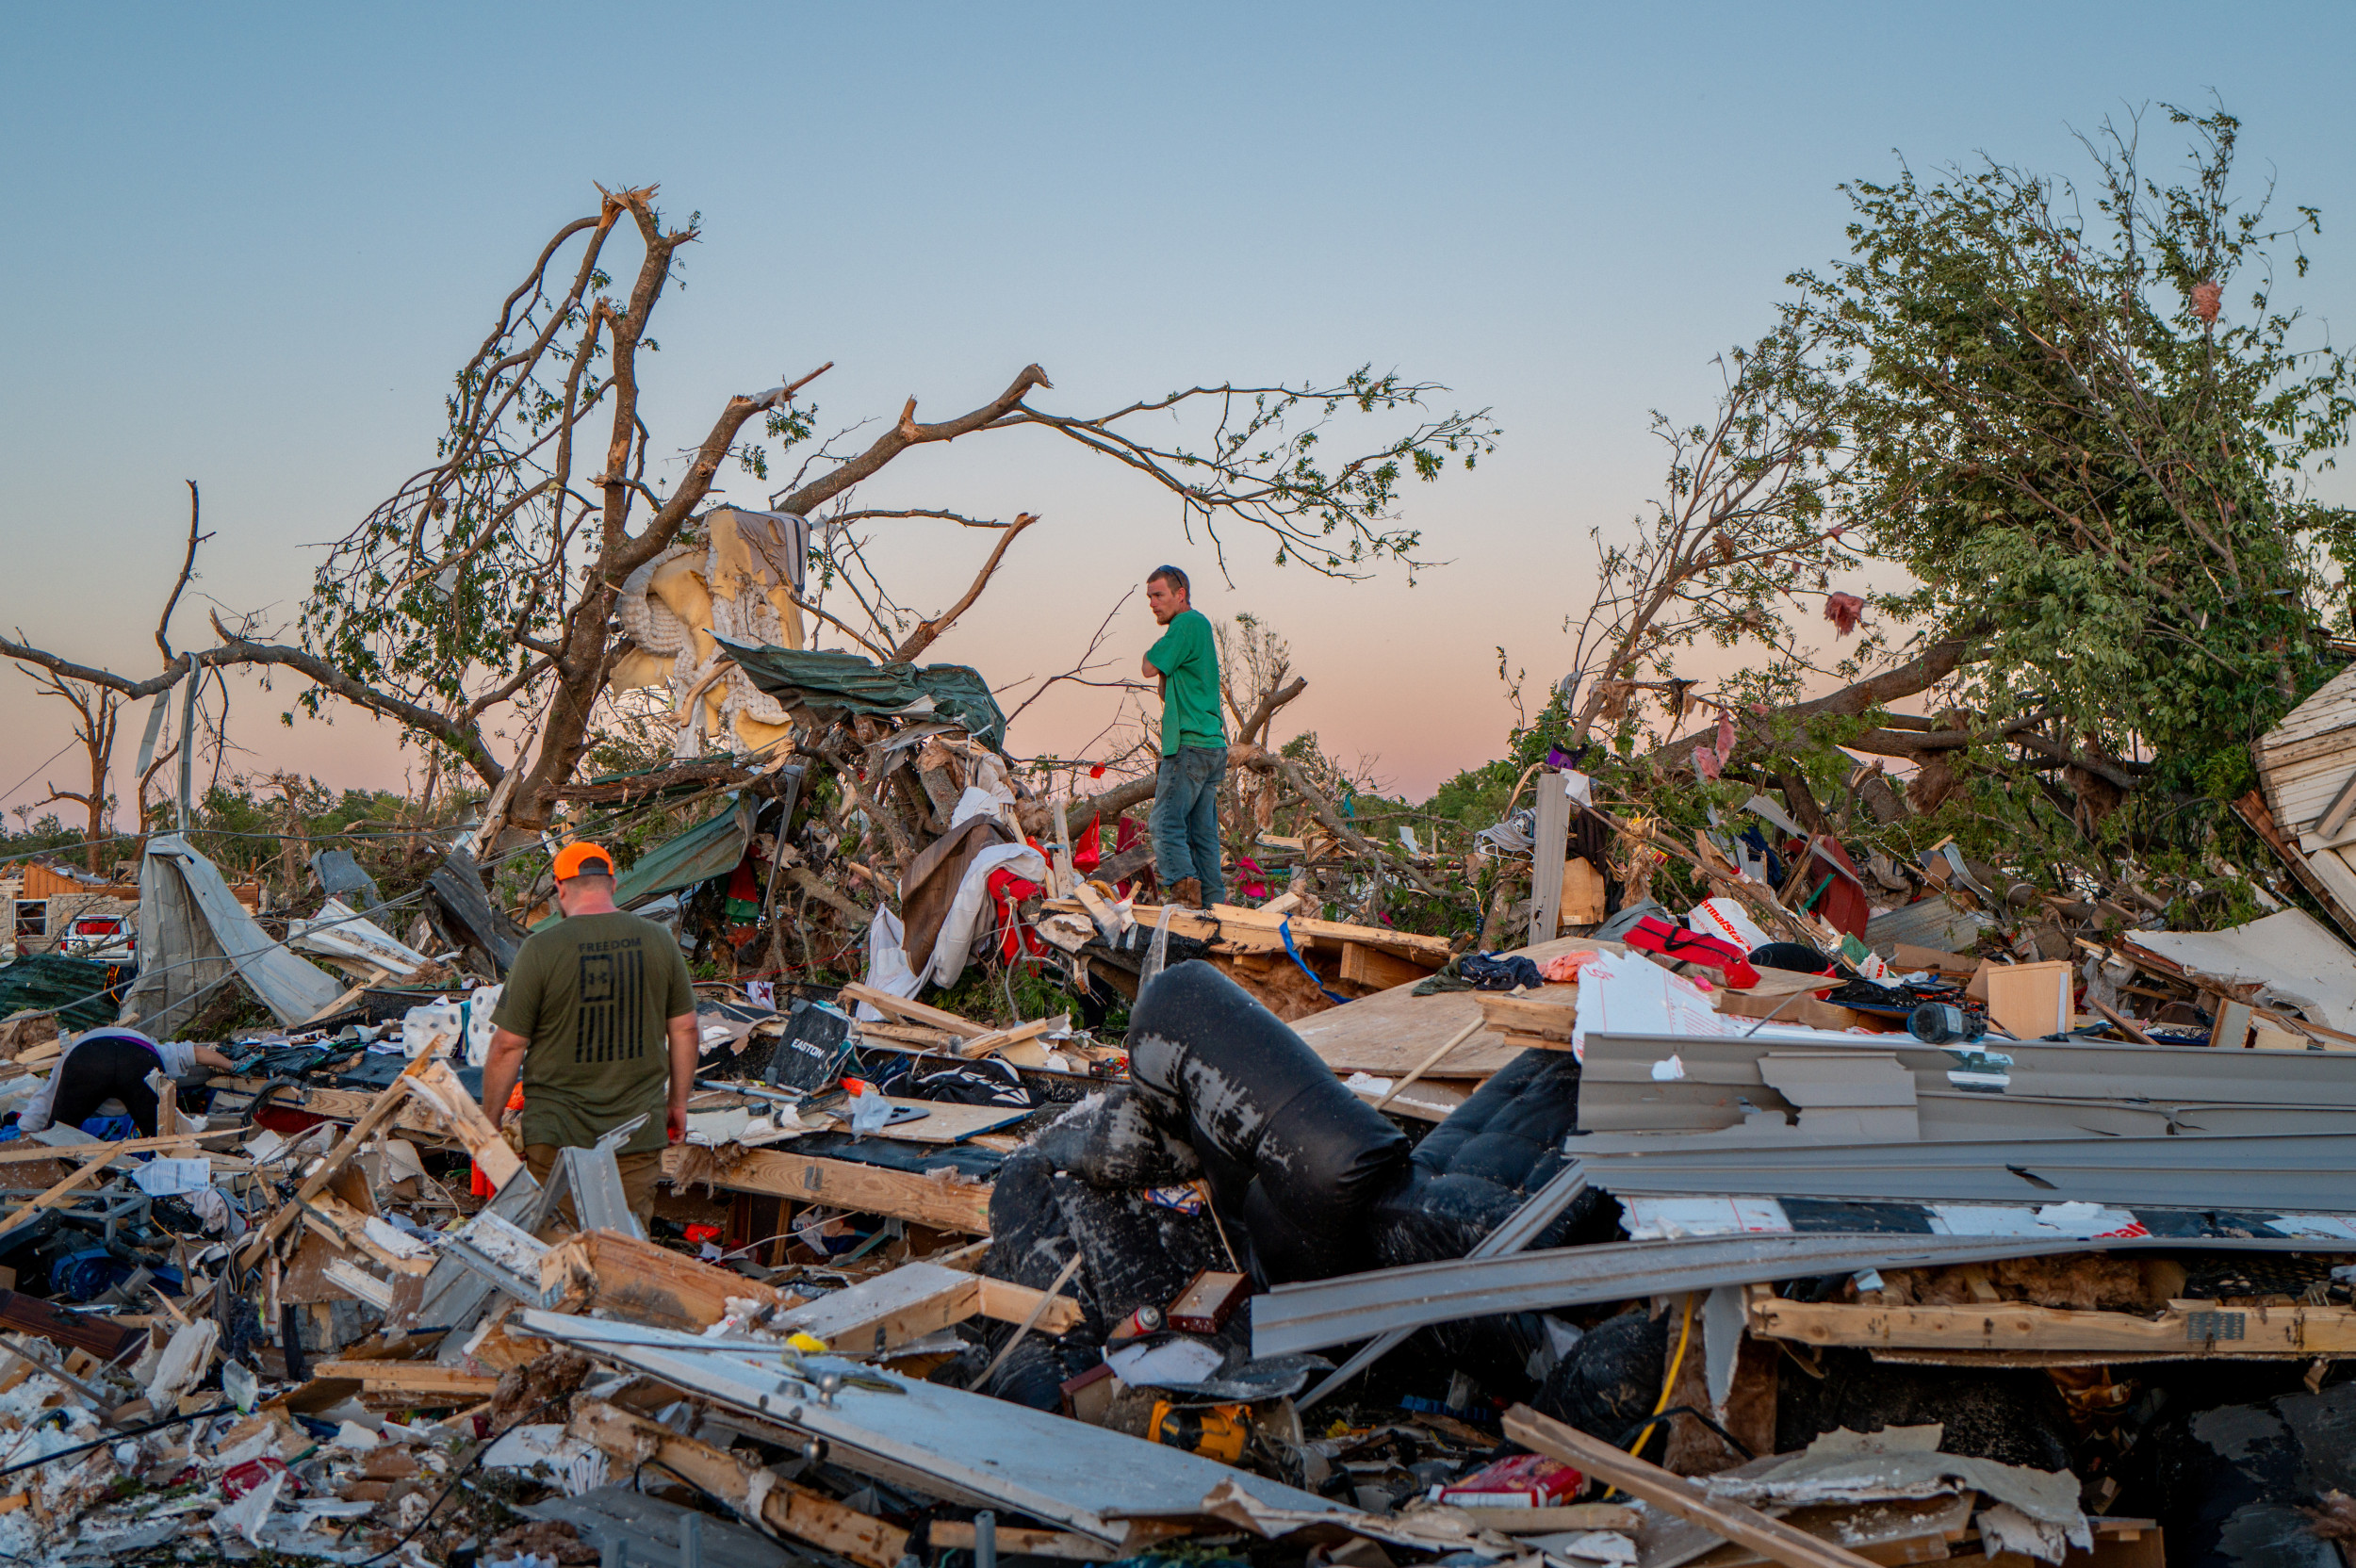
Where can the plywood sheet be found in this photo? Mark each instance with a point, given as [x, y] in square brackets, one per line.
[1389, 1032]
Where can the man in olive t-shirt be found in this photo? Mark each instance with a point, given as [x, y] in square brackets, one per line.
[597, 1017]
[1194, 746]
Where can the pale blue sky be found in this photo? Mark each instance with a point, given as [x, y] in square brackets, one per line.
[251, 243]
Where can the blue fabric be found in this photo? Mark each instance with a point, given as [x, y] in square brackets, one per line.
[1185, 819]
[111, 1129]
[1284, 929]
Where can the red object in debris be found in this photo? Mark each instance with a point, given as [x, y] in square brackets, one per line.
[1524, 1481]
[698, 1234]
[239, 1479]
[1655, 935]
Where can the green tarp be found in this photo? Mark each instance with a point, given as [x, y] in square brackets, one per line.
[707, 850]
[49, 979]
[827, 682]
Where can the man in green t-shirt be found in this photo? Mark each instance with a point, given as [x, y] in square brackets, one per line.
[1194, 746]
[597, 1017]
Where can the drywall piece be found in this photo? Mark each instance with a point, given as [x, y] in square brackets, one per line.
[2290, 954]
[2030, 1000]
[1069, 1475]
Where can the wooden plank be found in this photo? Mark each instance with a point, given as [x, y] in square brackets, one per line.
[31, 1148]
[957, 1535]
[1551, 1012]
[1584, 893]
[1386, 1034]
[939, 1200]
[642, 1283]
[1639, 1478]
[2185, 1328]
[998, 1040]
[394, 1096]
[785, 1506]
[414, 1118]
[2252, 810]
[83, 1174]
[920, 1299]
[1550, 844]
[1376, 970]
[409, 1376]
[914, 1012]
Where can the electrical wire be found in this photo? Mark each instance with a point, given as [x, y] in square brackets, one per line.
[1668, 1383]
[28, 777]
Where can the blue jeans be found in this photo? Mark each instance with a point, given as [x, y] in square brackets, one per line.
[1185, 819]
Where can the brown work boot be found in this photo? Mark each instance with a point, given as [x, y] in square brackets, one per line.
[1187, 892]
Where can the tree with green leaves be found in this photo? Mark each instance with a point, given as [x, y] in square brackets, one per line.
[485, 587]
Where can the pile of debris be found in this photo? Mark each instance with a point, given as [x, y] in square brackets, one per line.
[1800, 1227]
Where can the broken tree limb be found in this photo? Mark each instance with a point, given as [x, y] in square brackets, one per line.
[928, 632]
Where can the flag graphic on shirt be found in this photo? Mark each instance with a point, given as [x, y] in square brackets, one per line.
[613, 993]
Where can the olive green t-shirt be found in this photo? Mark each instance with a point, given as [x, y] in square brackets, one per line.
[595, 995]
[1188, 659]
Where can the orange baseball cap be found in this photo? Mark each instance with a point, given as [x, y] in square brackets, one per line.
[581, 855]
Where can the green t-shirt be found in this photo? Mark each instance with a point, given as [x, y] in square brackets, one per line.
[1188, 659]
[595, 995]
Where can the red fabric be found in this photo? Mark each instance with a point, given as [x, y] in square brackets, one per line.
[1654, 935]
[1006, 893]
[1088, 853]
[1250, 880]
[1127, 839]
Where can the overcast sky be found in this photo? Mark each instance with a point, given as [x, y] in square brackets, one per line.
[250, 245]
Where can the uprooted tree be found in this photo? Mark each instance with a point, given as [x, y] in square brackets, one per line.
[2047, 456]
[488, 588]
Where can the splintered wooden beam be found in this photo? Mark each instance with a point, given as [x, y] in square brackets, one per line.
[433, 1082]
[1643, 1480]
[784, 1506]
[943, 1199]
[645, 1283]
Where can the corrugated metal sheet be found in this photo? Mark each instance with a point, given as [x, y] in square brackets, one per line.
[2050, 1090]
[2296, 1173]
[1321, 1313]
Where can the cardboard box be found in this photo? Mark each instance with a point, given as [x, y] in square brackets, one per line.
[2029, 1001]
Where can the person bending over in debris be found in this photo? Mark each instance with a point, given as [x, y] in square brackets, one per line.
[1194, 746]
[113, 1064]
[597, 1016]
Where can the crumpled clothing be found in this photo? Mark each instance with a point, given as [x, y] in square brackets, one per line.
[220, 1215]
[1498, 972]
[1565, 966]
